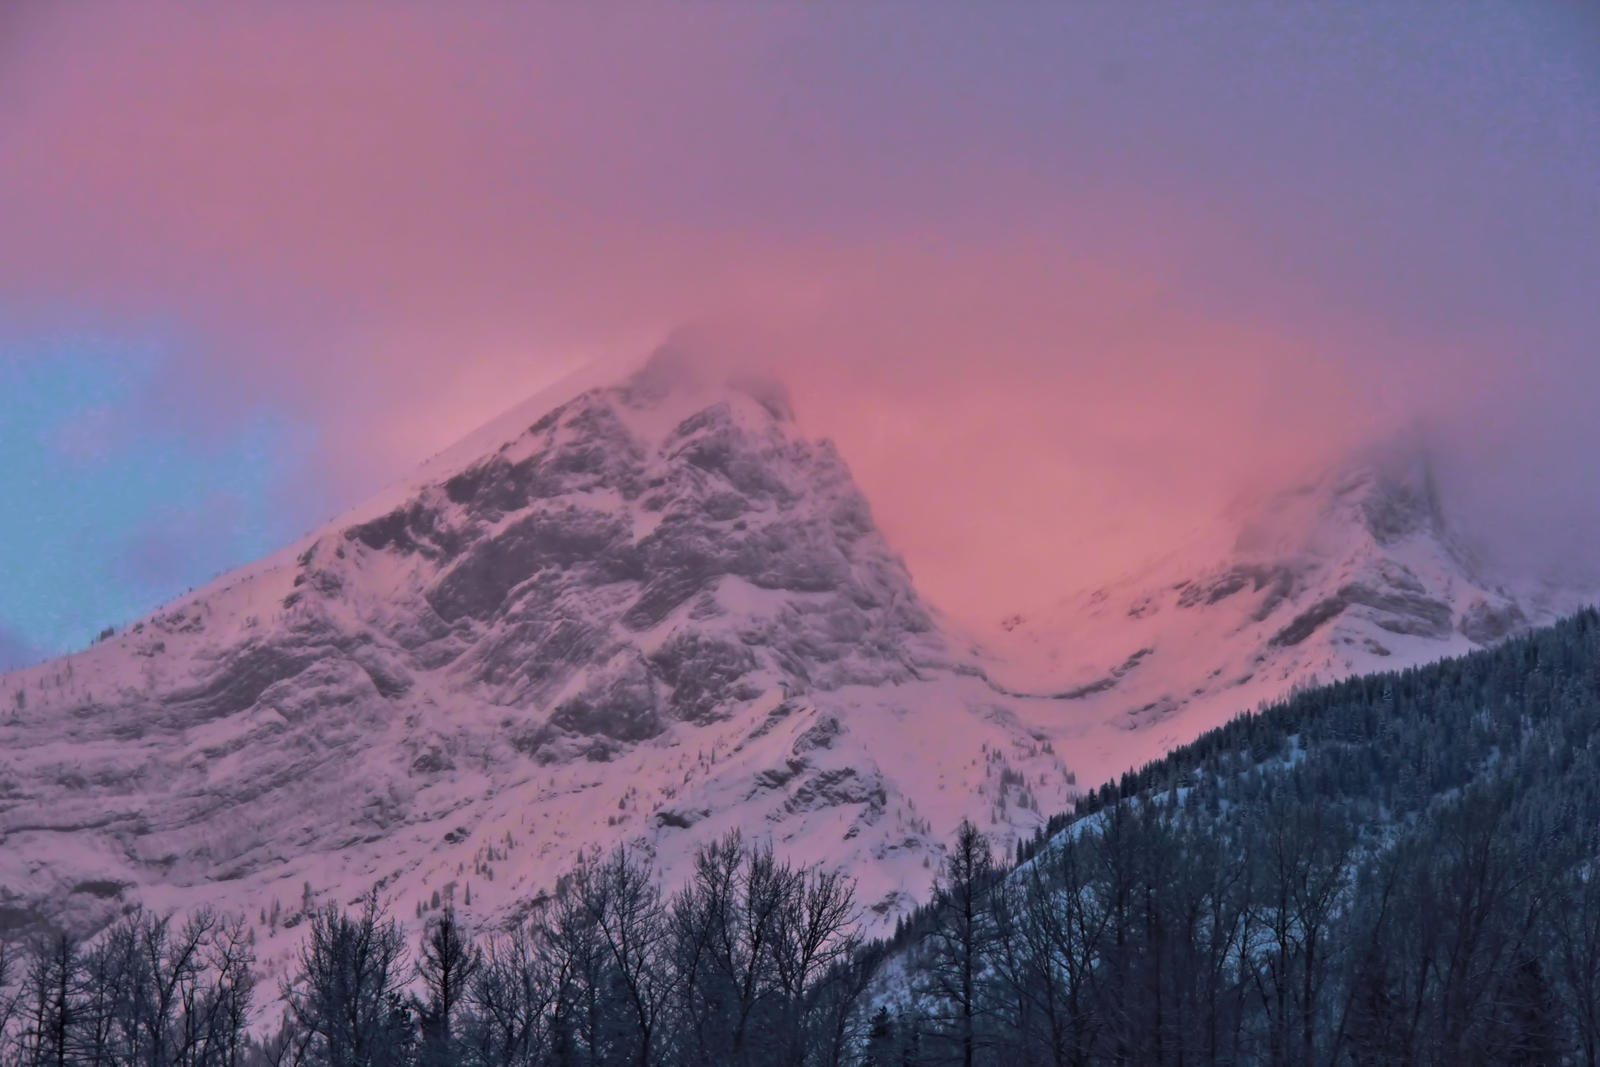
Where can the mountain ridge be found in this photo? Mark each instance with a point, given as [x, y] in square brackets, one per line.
[652, 613]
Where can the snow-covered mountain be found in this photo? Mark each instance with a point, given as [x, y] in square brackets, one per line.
[654, 612]
[1356, 570]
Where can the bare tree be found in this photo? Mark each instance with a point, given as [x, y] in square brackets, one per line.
[348, 995]
[511, 1000]
[1305, 868]
[52, 998]
[579, 962]
[620, 897]
[814, 959]
[726, 927]
[10, 992]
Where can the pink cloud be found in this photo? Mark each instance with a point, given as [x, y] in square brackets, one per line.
[1052, 310]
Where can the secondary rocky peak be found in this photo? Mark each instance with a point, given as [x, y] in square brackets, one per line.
[1352, 569]
[1380, 495]
[1396, 492]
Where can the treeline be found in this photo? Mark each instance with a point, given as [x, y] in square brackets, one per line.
[754, 962]
[1400, 869]
[150, 990]
[1150, 938]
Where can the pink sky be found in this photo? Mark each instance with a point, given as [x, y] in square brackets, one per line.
[1057, 281]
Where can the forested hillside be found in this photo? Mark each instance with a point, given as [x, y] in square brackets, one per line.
[1392, 870]
[1395, 869]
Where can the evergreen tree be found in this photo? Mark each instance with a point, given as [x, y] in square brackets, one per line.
[957, 944]
[447, 964]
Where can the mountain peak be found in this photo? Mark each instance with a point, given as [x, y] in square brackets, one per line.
[650, 610]
[687, 365]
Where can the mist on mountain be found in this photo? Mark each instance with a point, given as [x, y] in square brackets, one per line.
[1054, 301]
